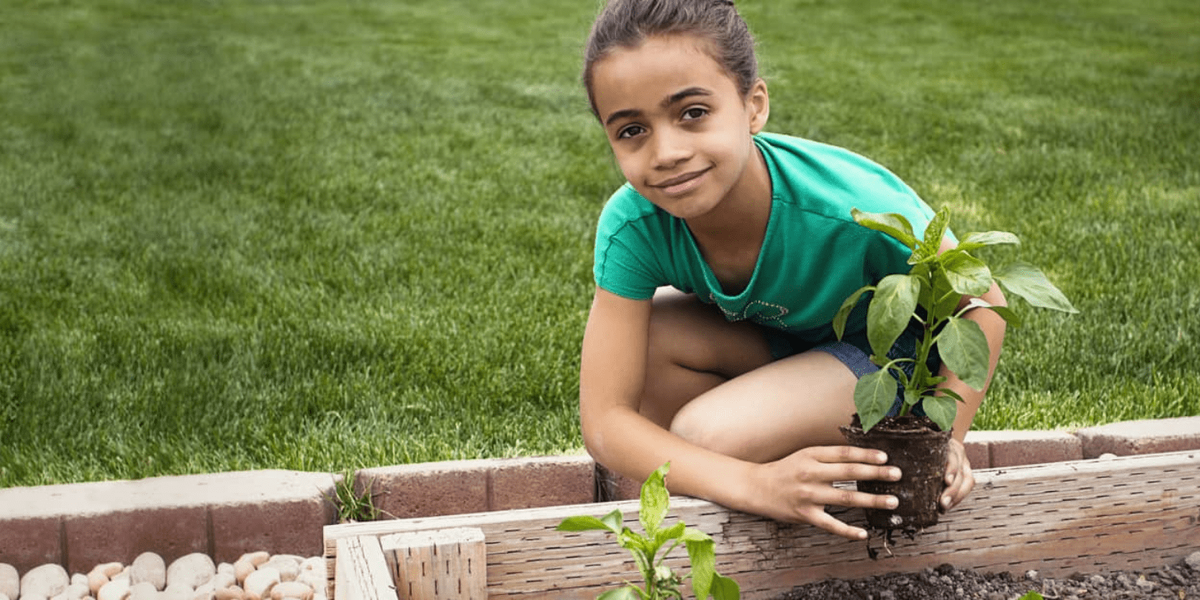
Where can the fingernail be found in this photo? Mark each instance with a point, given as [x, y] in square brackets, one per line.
[861, 534]
[895, 474]
[892, 502]
[946, 501]
[881, 457]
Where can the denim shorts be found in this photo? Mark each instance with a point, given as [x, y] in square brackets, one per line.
[858, 360]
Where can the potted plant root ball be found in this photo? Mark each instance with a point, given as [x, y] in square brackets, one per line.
[929, 297]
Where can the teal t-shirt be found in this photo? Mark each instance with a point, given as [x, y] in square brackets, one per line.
[813, 255]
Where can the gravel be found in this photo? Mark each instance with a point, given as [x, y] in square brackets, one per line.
[1172, 582]
[254, 576]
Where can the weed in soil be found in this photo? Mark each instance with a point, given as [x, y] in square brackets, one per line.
[353, 506]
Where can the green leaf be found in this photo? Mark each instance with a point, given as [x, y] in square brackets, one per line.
[977, 240]
[704, 566]
[691, 534]
[964, 350]
[615, 521]
[1031, 284]
[843, 313]
[967, 275]
[911, 398]
[670, 533]
[951, 393]
[934, 232]
[586, 523]
[874, 395]
[941, 409]
[628, 592]
[643, 554]
[632, 541]
[893, 224]
[1010, 316]
[890, 310]
[938, 297]
[655, 500]
[724, 588]
[1032, 596]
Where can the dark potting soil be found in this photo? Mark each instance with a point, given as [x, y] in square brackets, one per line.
[916, 446]
[1173, 582]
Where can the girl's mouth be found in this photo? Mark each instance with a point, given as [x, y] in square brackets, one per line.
[681, 184]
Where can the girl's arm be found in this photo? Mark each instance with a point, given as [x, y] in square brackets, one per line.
[795, 488]
[612, 373]
[959, 480]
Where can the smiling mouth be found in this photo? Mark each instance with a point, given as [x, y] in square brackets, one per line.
[681, 183]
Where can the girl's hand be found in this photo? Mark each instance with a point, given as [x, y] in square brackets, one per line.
[959, 479]
[797, 488]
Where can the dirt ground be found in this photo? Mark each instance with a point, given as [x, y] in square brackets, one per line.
[1173, 582]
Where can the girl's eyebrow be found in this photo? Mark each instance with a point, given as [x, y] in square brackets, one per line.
[668, 101]
[685, 94]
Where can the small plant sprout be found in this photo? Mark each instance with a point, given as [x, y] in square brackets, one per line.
[350, 505]
[931, 292]
[660, 581]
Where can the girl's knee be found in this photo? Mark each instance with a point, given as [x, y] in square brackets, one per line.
[691, 428]
[703, 429]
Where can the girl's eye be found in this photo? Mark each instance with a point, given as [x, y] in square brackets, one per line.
[628, 132]
[694, 113]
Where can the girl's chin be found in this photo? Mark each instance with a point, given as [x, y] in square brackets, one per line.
[688, 209]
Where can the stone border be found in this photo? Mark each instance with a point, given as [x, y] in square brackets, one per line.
[284, 512]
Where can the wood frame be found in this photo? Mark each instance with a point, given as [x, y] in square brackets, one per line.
[1061, 518]
[362, 572]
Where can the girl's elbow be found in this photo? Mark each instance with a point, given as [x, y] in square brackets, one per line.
[593, 437]
[602, 430]
[596, 446]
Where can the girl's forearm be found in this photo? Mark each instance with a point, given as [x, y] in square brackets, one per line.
[993, 327]
[632, 445]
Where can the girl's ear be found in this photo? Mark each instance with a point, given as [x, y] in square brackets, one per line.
[758, 104]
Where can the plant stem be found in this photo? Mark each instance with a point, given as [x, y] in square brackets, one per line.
[921, 369]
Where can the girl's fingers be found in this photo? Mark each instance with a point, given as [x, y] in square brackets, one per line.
[850, 463]
[846, 454]
[865, 473]
[959, 479]
[963, 486]
[850, 498]
[829, 523]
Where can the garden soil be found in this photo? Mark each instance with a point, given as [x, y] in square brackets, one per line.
[1173, 582]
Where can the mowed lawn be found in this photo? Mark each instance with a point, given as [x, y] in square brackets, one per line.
[322, 235]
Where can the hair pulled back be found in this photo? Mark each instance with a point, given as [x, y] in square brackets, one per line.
[627, 23]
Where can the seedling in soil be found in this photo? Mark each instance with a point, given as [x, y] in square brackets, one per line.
[931, 293]
[660, 581]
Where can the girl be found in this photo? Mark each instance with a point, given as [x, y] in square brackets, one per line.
[719, 268]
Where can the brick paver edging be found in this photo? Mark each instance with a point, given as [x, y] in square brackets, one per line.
[283, 512]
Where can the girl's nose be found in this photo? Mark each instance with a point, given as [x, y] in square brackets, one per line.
[670, 149]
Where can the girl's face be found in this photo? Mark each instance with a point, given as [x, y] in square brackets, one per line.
[678, 126]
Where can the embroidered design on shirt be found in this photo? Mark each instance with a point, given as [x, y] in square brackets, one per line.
[763, 313]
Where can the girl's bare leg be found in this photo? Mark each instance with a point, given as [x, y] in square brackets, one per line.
[714, 384]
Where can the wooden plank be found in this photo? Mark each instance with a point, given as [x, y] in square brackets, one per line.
[1061, 518]
[362, 572]
[443, 564]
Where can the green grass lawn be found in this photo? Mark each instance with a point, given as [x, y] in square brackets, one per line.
[322, 235]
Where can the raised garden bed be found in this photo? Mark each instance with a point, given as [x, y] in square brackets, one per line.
[1060, 519]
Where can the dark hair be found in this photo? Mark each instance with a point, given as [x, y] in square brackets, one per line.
[627, 23]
